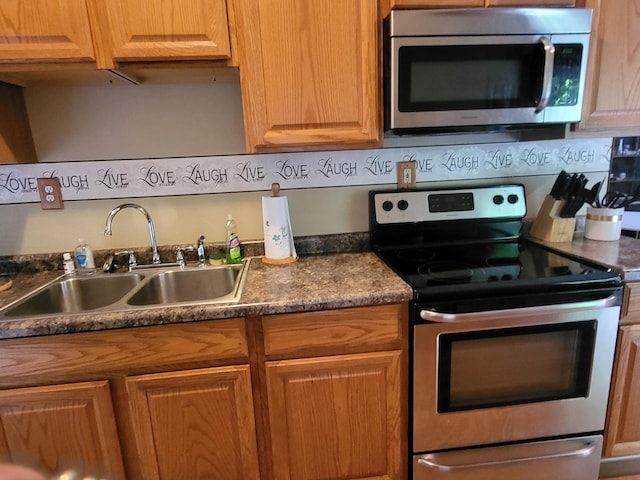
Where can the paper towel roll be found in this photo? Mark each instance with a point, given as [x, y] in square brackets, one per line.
[278, 238]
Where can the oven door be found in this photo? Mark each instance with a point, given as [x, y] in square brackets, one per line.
[507, 375]
[485, 80]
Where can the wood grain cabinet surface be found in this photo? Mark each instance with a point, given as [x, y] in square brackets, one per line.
[195, 424]
[310, 73]
[147, 30]
[293, 396]
[61, 427]
[45, 30]
[622, 435]
[612, 94]
[102, 33]
[337, 417]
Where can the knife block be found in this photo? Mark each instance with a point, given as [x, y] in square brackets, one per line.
[549, 226]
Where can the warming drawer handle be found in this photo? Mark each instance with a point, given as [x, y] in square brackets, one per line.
[431, 460]
[443, 317]
[547, 75]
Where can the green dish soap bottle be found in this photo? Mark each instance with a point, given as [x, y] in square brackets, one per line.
[233, 242]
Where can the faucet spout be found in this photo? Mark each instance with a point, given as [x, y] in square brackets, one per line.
[152, 234]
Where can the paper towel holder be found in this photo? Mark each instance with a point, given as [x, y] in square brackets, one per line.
[275, 192]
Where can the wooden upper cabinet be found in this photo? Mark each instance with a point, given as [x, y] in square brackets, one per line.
[45, 31]
[147, 30]
[310, 73]
[61, 427]
[612, 94]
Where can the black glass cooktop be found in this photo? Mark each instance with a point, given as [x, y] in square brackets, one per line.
[444, 270]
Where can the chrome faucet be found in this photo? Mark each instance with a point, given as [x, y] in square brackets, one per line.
[152, 234]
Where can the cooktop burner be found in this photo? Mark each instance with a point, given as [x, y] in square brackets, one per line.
[449, 243]
[465, 268]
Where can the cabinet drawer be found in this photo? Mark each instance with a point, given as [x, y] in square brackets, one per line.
[91, 355]
[334, 331]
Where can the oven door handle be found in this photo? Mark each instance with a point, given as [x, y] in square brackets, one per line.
[456, 459]
[443, 317]
[547, 74]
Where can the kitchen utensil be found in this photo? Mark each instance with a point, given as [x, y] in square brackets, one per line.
[561, 185]
[593, 195]
[616, 200]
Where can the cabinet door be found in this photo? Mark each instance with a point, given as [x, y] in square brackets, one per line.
[196, 424]
[309, 73]
[623, 422]
[612, 95]
[61, 427]
[337, 417]
[142, 30]
[44, 30]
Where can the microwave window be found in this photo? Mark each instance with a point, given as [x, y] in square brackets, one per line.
[514, 366]
[492, 83]
[469, 77]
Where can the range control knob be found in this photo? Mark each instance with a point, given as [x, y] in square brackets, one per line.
[513, 198]
[498, 199]
[403, 204]
[387, 205]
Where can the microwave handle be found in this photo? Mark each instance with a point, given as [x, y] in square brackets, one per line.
[443, 317]
[547, 75]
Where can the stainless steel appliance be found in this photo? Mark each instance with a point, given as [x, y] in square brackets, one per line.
[484, 66]
[512, 345]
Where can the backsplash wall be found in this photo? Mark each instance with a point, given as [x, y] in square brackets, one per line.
[99, 123]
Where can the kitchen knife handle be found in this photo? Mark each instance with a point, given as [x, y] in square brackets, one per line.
[547, 76]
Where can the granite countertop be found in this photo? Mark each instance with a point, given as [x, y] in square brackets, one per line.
[316, 282]
[622, 255]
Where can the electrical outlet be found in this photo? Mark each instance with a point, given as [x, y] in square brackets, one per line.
[50, 193]
[406, 174]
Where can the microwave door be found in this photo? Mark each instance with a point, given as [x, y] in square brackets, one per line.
[451, 81]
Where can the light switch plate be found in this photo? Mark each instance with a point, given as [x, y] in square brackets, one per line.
[50, 193]
[406, 174]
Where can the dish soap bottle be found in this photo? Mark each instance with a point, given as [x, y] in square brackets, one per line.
[84, 258]
[233, 242]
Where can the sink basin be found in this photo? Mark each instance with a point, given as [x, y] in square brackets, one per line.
[212, 284]
[75, 294]
[150, 287]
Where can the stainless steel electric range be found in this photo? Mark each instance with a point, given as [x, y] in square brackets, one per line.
[512, 345]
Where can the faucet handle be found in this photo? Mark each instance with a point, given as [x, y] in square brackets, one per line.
[180, 254]
[132, 257]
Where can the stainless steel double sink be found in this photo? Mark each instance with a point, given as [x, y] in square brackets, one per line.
[145, 288]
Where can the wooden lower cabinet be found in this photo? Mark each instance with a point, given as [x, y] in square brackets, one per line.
[336, 417]
[60, 427]
[196, 424]
[301, 396]
[623, 423]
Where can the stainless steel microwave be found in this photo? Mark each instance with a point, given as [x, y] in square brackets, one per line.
[484, 66]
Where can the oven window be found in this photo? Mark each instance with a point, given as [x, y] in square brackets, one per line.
[514, 366]
[469, 77]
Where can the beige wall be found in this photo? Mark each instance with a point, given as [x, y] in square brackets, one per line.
[114, 122]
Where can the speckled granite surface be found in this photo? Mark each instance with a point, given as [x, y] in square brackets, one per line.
[622, 255]
[315, 282]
